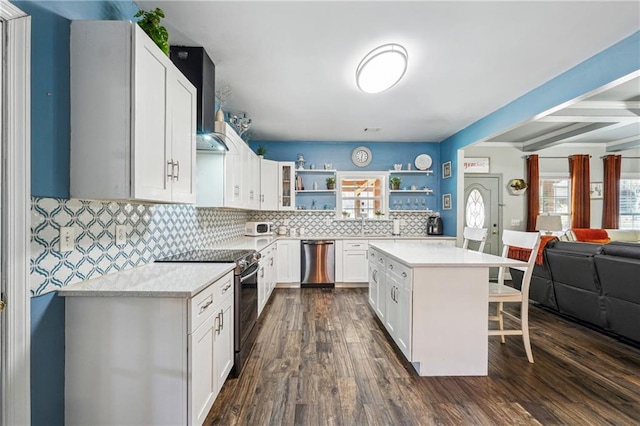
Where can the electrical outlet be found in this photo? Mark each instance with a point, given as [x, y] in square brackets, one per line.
[67, 238]
[516, 222]
[328, 221]
[286, 222]
[403, 222]
[121, 234]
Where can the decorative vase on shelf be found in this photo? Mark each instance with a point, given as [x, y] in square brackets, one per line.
[219, 115]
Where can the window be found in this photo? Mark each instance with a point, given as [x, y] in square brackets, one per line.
[555, 198]
[361, 194]
[629, 204]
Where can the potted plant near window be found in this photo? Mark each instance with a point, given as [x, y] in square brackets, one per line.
[395, 182]
[345, 214]
[331, 182]
[517, 186]
[378, 214]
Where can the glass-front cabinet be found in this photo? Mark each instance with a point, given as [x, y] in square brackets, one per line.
[361, 195]
[286, 187]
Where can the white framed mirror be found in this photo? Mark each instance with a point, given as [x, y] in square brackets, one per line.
[359, 195]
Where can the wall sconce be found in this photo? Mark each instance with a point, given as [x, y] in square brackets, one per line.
[517, 186]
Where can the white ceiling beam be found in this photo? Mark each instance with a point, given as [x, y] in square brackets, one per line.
[623, 144]
[570, 133]
[588, 119]
[605, 105]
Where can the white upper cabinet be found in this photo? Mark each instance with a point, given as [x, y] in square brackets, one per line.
[132, 117]
[268, 185]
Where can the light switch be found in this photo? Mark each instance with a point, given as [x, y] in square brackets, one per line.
[121, 234]
[516, 222]
[67, 238]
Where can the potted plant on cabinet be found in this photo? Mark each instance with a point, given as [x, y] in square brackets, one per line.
[378, 214]
[150, 24]
[345, 214]
[331, 182]
[261, 150]
[395, 182]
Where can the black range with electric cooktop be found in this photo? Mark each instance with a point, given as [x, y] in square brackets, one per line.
[245, 293]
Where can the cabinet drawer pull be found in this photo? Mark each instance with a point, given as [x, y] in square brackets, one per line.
[390, 266]
[205, 306]
[225, 288]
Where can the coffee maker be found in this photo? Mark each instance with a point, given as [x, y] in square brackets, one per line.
[434, 225]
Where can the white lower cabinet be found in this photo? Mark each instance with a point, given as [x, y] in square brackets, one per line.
[354, 261]
[390, 295]
[267, 275]
[147, 360]
[288, 261]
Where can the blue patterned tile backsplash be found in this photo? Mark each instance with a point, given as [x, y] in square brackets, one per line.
[155, 231]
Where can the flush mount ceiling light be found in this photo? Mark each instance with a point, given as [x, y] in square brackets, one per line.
[381, 68]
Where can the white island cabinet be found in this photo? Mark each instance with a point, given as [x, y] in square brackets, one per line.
[133, 117]
[150, 345]
[433, 300]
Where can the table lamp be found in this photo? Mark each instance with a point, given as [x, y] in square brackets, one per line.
[548, 223]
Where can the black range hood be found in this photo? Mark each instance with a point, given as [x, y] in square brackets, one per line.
[199, 69]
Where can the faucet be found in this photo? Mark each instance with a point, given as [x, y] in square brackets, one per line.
[362, 230]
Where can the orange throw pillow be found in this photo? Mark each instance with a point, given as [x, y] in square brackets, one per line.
[590, 235]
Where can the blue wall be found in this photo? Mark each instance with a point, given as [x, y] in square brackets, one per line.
[609, 65]
[50, 136]
[385, 154]
[50, 121]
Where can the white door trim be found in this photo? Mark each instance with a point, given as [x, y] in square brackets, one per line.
[16, 193]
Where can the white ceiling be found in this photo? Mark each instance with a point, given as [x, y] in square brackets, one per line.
[291, 65]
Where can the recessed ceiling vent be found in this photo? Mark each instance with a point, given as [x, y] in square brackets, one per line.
[372, 129]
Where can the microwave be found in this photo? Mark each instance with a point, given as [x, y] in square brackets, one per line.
[256, 229]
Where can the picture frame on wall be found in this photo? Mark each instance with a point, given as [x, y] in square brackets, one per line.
[446, 201]
[446, 170]
[595, 189]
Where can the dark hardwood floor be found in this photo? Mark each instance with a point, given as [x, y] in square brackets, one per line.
[321, 358]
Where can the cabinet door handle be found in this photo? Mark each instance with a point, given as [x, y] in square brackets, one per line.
[176, 175]
[216, 328]
[170, 169]
[262, 272]
[390, 266]
[404, 274]
[374, 276]
[221, 319]
[271, 263]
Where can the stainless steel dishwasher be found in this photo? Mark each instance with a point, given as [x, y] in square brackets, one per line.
[317, 259]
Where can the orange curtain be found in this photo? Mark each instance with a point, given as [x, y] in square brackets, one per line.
[580, 196]
[611, 191]
[533, 192]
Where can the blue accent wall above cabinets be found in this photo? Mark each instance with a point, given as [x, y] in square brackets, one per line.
[385, 154]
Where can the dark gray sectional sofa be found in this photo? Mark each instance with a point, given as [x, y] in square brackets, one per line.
[593, 283]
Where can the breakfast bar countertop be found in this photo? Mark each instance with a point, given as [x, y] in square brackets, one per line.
[152, 280]
[423, 254]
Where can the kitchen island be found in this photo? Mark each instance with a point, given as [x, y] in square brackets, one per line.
[433, 301]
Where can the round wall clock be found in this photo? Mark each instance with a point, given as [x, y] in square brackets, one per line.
[361, 156]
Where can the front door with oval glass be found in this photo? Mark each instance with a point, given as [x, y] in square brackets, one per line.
[482, 210]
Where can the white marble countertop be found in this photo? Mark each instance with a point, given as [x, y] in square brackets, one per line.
[417, 254]
[152, 280]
